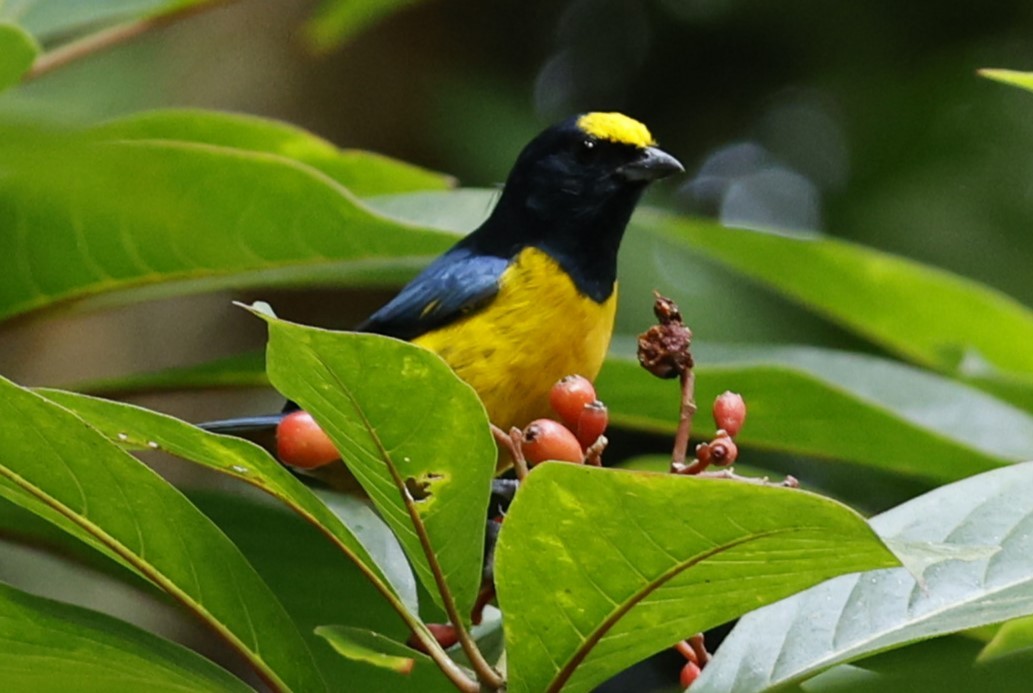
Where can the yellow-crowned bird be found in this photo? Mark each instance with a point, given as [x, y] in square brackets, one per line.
[530, 296]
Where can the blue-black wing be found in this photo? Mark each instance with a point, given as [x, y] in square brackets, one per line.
[457, 283]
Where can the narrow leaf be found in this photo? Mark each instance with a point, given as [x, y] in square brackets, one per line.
[1023, 80]
[50, 646]
[111, 498]
[858, 615]
[362, 645]
[414, 435]
[597, 569]
[363, 173]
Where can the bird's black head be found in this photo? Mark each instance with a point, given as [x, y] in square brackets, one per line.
[571, 193]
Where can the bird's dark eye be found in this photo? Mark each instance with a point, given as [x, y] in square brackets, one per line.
[587, 150]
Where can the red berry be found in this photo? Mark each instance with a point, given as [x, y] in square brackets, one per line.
[592, 423]
[723, 450]
[729, 412]
[569, 396]
[689, 673]
[300, 442]
[545, 439]
[444, 633]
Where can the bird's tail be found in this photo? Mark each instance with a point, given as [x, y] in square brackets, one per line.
[244, 425]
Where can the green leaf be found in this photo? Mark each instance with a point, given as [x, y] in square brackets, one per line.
[53, 17]
[1023, 80]
[843, 406]
[238, 370]
[1012, 637]
[924, 314]
[109, 497]
[597, 568]
[53, 646]
[857, 615]
[318, 584]
[141, 429]
[18, 50]
[363, 173]
[82, 218]
[414, 435]
[362, 645]
[336, 21]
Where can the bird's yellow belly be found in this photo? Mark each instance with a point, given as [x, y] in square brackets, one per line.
[538, 329]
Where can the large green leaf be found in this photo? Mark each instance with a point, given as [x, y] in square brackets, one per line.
[414, 435]
[833, 404]
[338, 20]
[924, 314]
[598, 568]
[109, 497]
[50, 646]
[17, 51]
[970, 542]
[141, 429]
[363, 173]
[80, 218]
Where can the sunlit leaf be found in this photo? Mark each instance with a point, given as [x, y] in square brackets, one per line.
[1023, 80]
[624, 564]
[414, 435]
[81, 218]
[858, 615]
[50, 646]
[50, 454]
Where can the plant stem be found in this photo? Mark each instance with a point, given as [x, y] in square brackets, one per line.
[113, 36]
[688, 410]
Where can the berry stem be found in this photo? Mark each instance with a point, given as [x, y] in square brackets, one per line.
[788, 482]
[594, 453]
[688, 410]
[699, 648]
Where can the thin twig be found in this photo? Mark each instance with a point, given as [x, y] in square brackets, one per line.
[688, 410]
[513, 443]
[113, 36]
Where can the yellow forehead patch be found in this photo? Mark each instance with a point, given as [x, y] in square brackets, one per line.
[616, 127]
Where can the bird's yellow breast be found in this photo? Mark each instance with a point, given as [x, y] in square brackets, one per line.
[536, 330]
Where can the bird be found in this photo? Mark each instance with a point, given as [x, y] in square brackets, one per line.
[530, 295]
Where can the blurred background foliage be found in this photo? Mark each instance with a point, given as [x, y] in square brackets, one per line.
[861, 121]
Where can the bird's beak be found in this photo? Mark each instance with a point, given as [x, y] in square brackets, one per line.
[651, 164]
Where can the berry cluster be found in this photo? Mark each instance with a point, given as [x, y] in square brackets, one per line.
[579, 438]
[729, 414]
